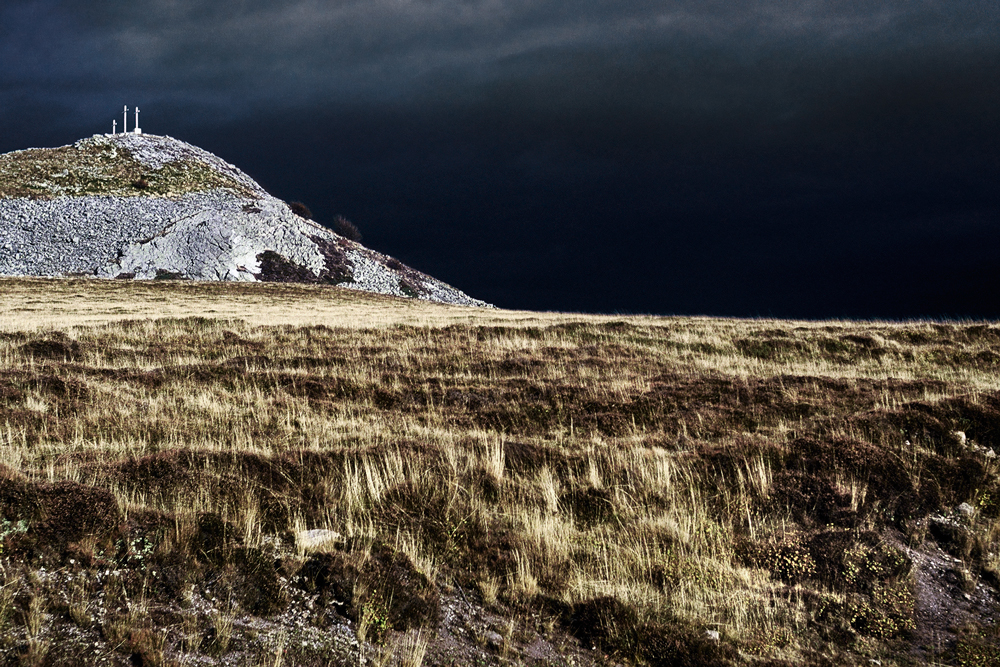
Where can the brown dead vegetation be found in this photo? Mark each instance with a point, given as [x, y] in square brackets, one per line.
[621, 489]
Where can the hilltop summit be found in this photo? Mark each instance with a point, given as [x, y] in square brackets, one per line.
[143, 206]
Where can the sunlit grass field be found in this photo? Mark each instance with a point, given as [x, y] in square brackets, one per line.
[665, 490]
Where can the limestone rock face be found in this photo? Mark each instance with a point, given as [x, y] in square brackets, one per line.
[147, 207]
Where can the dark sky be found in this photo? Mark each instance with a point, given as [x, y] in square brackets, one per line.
[806, 158]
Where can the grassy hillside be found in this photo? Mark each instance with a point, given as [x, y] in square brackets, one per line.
[507, 488]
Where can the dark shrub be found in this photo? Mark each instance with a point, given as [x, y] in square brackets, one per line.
[213, 539]
[589, 506]
[71, 511]
[788, 560]
[955, 539]
[888, 481]
[976, 645]
[162, 274]
[408, 289]
[812, 499]
[60, 348]
[607, 623]
[856, 561]
[141, 184]
[873, 576]
[339, 269]
[275, 268]
[595, 621]
[346, 228]
[52, 516]
[771, 348]
[524, 458]
[301, 210]
[261, 592]
[958, 480]
[400, 595]
[679, 645]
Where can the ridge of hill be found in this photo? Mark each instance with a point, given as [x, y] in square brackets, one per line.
[148, 207]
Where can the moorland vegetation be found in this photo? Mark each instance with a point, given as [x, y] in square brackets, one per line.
[499, 488]
[100, 168]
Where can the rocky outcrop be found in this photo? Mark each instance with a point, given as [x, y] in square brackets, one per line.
[148, 207]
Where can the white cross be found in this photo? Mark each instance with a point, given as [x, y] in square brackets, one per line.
[125, 120]
[137, 120]
[114, 127]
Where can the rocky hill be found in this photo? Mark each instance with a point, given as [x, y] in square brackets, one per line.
[147, 207]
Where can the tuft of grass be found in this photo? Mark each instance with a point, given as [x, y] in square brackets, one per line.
[79, 603]
[411, 648]
[190, 632]
[8, 591]
[34, 616]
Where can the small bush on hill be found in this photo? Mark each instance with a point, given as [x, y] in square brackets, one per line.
[301, 210]
[346, 228]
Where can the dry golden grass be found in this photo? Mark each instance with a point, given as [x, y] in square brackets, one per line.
[36, 303]
[677, 465]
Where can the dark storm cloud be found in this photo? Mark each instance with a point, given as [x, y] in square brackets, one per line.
[759, 66]
[701, 56]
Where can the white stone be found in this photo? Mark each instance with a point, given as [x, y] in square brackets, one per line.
[318, 537]
[966, 510]
[961, 437]
[712, 635]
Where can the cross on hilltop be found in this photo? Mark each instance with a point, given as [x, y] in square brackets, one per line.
[135, 130]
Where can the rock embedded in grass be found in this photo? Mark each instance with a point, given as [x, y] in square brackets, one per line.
[308, 540]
